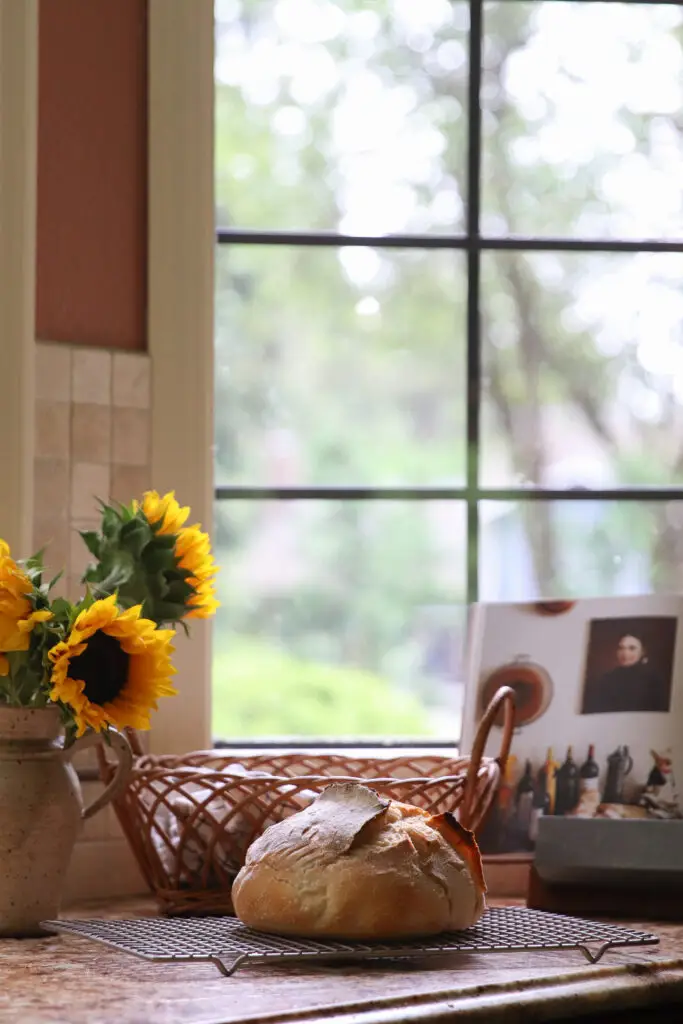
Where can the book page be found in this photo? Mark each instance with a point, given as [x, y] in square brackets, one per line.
[599, 684]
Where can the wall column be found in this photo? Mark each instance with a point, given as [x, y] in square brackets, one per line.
[180, 317]
[18, 144]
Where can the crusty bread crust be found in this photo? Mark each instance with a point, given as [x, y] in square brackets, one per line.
[352, 866]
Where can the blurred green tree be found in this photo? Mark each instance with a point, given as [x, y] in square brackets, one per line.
[347, 367]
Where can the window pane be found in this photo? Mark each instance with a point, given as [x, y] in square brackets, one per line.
[339, 619]
[583, 365]
[579, 548]
[348, 115]
[582, 119]
[339, 366]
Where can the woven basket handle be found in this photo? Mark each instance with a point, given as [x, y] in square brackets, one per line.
[504, 695]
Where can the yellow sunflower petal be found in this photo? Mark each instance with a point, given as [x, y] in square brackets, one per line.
[97, 616]
[42, 616]
[164, 511]
[193, 550]
[4, 665]
[120, 625]
[17, 615]
[27, 624]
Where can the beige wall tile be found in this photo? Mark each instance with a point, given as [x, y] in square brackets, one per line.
[79, 556]
[93, 828]
[53, 535]
[89, 481]
[53, 372]
[91, 376]
[61, 587]
[73, 588]
[51, 483]
[52, 429]
[131, 437]
[90, 432]
[131, 380]
[128, 482]
[85, 759]
[102, 869]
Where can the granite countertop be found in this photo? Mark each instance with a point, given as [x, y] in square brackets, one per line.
[68, 979]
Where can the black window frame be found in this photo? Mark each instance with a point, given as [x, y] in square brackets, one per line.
[473, 243]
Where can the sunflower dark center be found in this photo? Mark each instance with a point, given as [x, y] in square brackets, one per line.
[103, 667]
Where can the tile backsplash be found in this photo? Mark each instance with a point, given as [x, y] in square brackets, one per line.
[92, 441]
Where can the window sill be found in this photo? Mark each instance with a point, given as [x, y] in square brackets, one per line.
[385, 752]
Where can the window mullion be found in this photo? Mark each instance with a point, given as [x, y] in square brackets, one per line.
[473, 290]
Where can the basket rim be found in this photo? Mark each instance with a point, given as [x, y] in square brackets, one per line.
[188, 773]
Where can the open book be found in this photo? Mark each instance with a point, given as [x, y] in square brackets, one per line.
[599, 721]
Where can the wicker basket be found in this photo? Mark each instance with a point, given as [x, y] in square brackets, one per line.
[190, 819]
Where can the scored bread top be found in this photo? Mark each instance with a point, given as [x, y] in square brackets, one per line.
[331, 823]
[355, 865]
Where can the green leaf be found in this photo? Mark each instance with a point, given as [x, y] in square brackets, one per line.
[158, 558]
[35, 561]
[178, 575]
[61, 609]
[167, 612]
[55, 580]
[111, 523]
[179, 591]
[34, 572]
[109, 585]
[126, 512]
[165, 540]
[92, 541]
[157, 584]
[136, 535]
[87, 601]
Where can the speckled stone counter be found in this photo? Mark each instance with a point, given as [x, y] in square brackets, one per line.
[68, 979]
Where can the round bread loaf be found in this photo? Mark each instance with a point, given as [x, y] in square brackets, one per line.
[354, 866]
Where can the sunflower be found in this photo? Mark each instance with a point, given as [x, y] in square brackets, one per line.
[192, 549]
[17, 614]
[165, 515]
[112, 667]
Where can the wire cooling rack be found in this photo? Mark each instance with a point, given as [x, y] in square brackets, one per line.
[227, 944]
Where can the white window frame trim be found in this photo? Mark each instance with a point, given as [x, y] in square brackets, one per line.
[180, 319]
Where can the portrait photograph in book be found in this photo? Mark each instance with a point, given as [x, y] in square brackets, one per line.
[629, 665]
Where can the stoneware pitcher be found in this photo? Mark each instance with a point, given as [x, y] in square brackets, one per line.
[41, 812]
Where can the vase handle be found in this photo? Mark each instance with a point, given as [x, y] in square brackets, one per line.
[124, 756]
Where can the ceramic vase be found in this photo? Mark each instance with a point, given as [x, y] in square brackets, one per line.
[41, 813]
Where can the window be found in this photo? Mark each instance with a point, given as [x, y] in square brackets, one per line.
[448, 334]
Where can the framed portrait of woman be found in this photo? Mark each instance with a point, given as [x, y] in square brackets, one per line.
[629, 665]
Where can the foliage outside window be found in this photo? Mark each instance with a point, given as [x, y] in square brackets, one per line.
[448, 339]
